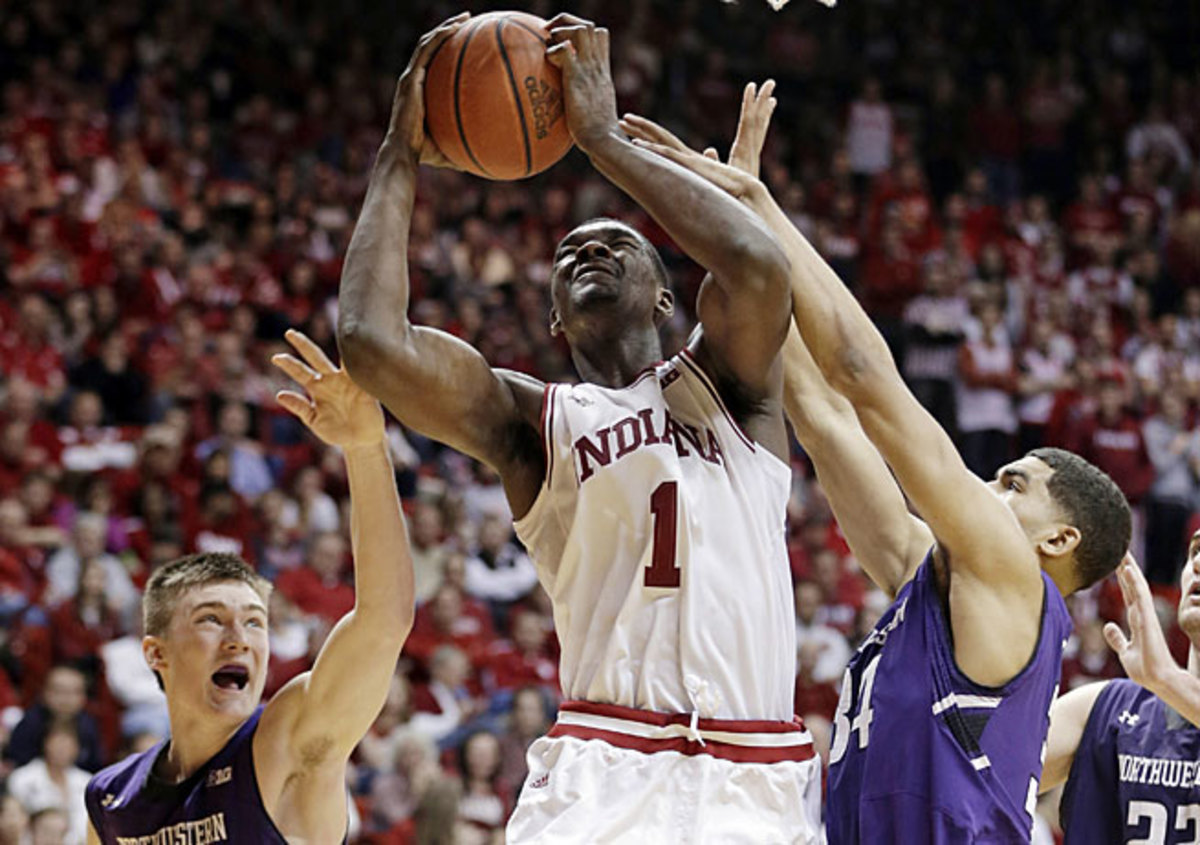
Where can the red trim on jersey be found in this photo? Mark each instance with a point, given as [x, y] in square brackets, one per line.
[686, 356]
[662, 720]
[547, 423]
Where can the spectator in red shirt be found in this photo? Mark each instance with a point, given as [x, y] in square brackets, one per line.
[996, 132]
[320, 588]
[525, 660]
[1112, 440]
[813, 697]
[80, 625]
[444, 621]
[26, 350]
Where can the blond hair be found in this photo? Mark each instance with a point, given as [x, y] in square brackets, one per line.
[173, 579]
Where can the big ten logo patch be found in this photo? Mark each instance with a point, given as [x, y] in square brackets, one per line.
[220, 776]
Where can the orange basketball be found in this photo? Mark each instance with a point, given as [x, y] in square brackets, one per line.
[493, 103]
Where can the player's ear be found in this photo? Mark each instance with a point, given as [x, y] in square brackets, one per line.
[1062, 542]
[153, 652]
[555, 323]
[664, 307]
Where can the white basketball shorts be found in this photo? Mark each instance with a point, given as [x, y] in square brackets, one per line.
[606, 773]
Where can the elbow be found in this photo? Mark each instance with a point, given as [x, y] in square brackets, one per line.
[364, 349]
[765, 265]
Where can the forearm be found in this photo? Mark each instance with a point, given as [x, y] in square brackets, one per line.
[850, 351]
[383, 575]
[374, 291]
[712, 227]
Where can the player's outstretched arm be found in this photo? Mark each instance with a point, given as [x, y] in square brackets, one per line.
[888, 541]
[1144, 653]
[1068, 717]
[430, 380]
[310, 727]
[980, 535]
[744, 313]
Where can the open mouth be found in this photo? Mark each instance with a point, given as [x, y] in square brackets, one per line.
[231, 677]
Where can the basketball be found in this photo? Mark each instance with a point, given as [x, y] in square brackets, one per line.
[493, 103]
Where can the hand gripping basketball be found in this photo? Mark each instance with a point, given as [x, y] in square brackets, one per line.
[580, 49]
[407, 125]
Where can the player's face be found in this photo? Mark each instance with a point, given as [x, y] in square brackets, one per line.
[1189, 583]
[603, 264]
[1022, 485]
[214, 656]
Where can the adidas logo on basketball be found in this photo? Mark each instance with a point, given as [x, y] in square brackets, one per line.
[545, 103]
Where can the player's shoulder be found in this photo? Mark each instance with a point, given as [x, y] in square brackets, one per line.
[1123, 703]
[120, 776]
[527, 391]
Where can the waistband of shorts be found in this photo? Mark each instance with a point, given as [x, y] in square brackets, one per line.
[739, 741]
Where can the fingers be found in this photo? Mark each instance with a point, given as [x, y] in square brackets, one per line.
[636, 126]
[1136, 591]
[431, 40]
[585, 37]
[296, 404]
[710, 169]
[1115, 638]
[313, 355]
[296, 369]
[711, 153]
[567, 19]
[560, 54]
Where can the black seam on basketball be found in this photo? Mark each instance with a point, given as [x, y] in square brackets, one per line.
[462, 134]
[512, 80]
[531, 31]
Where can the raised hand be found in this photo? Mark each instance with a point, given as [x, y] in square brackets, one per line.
[650, 136]
[1144, 653]
[407, 124]
[758, 105]
[579, 49]
[336, 409]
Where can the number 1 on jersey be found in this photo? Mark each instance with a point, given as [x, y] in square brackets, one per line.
[664, 505]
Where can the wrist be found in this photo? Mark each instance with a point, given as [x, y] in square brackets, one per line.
[395, 155]
[367, 450]
[602, 144]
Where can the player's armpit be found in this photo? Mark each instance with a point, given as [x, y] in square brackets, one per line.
[888, 541]
[1068, 717]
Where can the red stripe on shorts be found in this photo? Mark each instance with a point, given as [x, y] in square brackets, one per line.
[681, 744]
[662, 720]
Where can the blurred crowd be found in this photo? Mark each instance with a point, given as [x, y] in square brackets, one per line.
[1011, 189]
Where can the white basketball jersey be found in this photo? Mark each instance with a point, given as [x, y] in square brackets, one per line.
[659, 534]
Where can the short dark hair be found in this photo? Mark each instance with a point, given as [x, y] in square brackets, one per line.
[1095, 505]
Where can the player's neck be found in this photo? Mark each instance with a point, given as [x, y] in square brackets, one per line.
[1193, 661]
[616, 361]
[194, 741]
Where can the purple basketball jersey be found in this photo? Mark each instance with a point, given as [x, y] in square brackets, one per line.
[220, 802]
[922, 754]
[1136, 775]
